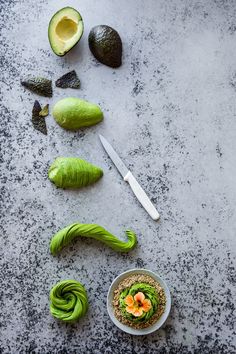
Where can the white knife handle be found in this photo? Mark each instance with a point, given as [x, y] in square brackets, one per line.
[141, 196]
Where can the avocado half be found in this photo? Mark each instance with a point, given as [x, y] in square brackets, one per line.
[65, 30]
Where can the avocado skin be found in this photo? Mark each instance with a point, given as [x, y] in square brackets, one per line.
[39, 85]
[37, 120]
[73, 113]
[44, 111]
[69, 80]
[106, 45]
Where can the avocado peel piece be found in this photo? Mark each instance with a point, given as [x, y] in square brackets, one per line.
[74, 113]
[68, 80]
[44, 111]
[106, 45]
[39, 85]
[65, 30]
[37, 120]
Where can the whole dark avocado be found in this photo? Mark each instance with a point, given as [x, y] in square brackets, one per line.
[105, 44]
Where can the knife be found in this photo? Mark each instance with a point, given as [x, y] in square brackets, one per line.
[128, 177]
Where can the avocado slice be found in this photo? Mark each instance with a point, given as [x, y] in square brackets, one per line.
[65, 30]
[73, 113]
[106, 45]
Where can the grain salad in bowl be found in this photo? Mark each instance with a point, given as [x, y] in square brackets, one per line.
[138, 301]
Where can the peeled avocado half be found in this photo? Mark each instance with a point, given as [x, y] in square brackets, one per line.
[65, 30]
[73, 113]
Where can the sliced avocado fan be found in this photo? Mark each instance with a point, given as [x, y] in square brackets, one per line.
[65, 30]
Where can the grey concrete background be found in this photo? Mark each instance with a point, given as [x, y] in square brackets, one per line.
[170, 111]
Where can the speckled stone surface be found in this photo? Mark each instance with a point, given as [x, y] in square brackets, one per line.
[170, 111]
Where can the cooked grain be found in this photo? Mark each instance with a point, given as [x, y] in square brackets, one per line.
[127, 283]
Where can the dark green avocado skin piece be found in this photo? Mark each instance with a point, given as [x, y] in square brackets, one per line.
[44, 111]
[37, 120]
[39, 85]
[69, 80]
[105, 44]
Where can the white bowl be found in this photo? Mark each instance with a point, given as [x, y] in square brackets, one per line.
[110, 308]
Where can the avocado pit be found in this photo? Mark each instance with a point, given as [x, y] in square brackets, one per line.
[66, 29]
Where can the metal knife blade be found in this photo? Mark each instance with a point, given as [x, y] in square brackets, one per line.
[114, 157]
[128, 177]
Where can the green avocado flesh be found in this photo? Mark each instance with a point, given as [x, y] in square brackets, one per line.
[72, 172]
[68, 301]
[77, 230]
[65, 30]
[73, 113]
[149, 292]
[105, 44]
